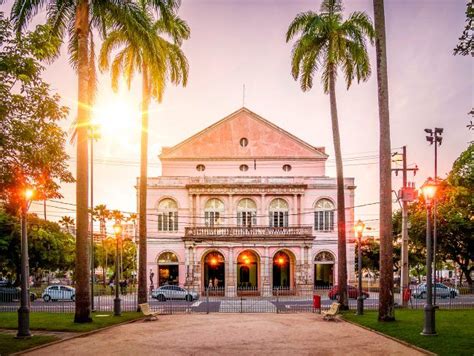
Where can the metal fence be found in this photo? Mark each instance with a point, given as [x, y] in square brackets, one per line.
[176, 299]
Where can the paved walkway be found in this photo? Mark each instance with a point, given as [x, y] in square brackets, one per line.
[232, 334]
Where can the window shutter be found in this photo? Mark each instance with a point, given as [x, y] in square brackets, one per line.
[206, 218]
[316, 220]
[285, 220]
[254, 218]
[239, 218]
[332, 220]
[270, 219]
[175, 221]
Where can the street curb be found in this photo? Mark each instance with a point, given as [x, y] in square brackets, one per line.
[79, 334]
[391, 338]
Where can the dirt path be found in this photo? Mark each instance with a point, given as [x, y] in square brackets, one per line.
[232, 334]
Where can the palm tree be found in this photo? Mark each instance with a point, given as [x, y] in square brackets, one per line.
[386, 304]
[77, 18]
[164, 61]
[67, 222]
[329, 43]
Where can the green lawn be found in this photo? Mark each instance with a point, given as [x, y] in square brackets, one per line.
[9, 345]
[64, 321]
[455, 329]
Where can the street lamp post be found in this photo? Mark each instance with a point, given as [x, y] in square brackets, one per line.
[24, 310]
[429, 191]
[360, 300]
[117, 301]
[436, 139]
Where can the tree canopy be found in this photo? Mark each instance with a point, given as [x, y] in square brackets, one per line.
[49, 247]
[31, 141]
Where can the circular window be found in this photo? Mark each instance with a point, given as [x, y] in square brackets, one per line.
[286, 167]
[200, 168]
[244, 142]
[244, 167]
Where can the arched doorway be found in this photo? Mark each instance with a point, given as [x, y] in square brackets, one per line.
[247, 272]
[324, 269]
[281, 271]
[168, 269]
[214, 271]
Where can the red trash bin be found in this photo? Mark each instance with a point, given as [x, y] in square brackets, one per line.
[317, 302]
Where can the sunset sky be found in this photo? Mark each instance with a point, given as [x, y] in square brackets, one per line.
[243, 42]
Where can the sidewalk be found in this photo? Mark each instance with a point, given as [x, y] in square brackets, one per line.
[233, 334]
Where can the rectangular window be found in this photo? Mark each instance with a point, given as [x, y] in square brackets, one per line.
[168, 221]
[324, 220]
[279, 219]
[246, 218]
[212, 218]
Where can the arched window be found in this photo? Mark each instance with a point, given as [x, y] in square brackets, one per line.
[246, 213]
[167, 215]
[167, 258]
[324, 215]
[278, 214]
[213, 212]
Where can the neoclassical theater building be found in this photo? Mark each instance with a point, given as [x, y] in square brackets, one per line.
[241, 205]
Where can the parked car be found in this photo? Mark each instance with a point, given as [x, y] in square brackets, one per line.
[352, 292]
[12, 294]
[60, 292]
[173, 292]
[442, 291]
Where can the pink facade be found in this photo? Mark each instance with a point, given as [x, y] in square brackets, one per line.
[245, 204]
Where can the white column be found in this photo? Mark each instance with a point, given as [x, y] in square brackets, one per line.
[230, 282]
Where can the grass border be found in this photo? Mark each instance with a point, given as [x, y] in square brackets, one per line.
[79, 334]
[390, 337]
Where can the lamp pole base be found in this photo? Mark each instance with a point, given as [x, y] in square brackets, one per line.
[117, 307]
[23, 323]
[429, 328]
[360, 306]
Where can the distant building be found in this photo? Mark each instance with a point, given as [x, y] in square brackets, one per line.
[245, 204]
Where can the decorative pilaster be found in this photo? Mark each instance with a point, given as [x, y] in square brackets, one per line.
[230, 278]
[266, 285]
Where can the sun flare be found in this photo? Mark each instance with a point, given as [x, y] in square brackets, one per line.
[117, 117]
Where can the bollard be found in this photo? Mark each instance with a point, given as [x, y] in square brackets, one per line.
[207, 301]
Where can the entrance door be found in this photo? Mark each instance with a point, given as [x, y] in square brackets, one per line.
[324, 269]
[168, 269]
[281, 271]
[214, 271]
[247, 272]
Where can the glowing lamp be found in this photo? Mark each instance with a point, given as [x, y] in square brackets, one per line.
[359, 227]
[29, 193]
[247, 261]
[281, 260]
[429, 190]
[213, 261]
[117, 229]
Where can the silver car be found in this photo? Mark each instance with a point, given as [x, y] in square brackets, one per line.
[442, 291]
[53, 293]
[173, 292]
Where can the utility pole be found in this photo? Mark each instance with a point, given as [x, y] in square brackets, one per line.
[406, 194]
[436, 139]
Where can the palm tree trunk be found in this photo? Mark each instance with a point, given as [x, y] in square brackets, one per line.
[386, 307]
[142, 191]
[82, 272]
[341, 211]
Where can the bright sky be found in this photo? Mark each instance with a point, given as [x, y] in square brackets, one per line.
[236, 42]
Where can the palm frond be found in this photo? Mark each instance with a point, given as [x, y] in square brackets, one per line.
[23, 11]
[300, 22]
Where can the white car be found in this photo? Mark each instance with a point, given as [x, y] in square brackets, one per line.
[173, 292]
[53, 293]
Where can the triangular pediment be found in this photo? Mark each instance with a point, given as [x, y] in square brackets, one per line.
[222, 141]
